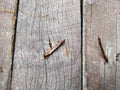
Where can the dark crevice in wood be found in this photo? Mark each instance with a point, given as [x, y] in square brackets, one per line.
[14, 40]
[50, 43]
[1, 69]
[118, 54]
[46, 74]
[81, 12]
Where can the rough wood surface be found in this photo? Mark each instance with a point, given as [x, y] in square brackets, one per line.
[102, 19]
[41, 21]
[7, 24]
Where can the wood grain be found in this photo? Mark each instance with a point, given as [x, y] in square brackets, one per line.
[41, 21]
[102, 19]
[7, 24]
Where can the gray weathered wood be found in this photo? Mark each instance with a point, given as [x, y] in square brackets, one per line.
[7, 24]
[102, 19]
[39, 21]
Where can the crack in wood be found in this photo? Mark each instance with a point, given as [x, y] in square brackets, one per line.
[50, 43]
[13, 44]
[1, 69]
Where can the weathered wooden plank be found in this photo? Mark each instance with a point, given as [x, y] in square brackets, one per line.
[100, 20]
[7, 24]
[118, 50]
[39, 21]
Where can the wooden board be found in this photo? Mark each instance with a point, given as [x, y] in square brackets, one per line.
[39, 21]
[7, 24]
[102, 19]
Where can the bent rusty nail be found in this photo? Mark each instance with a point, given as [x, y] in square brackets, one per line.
[103, 52]
[54, 48]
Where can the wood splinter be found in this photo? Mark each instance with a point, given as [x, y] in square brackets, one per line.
[103, 52]
[47, 54]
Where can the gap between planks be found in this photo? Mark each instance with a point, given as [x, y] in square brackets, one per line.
[14, 40]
